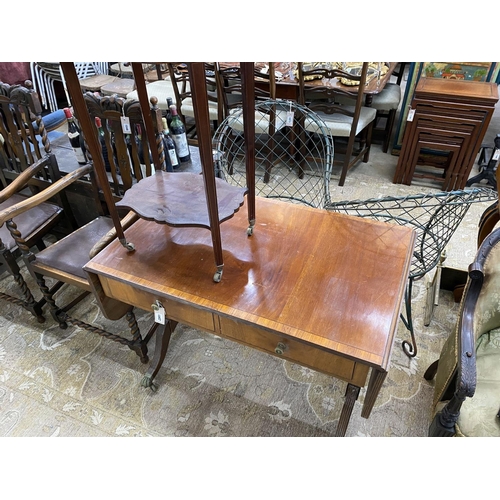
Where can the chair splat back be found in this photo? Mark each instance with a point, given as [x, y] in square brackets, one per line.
[230, 84]
[20, 124]
[342, 110]
[124, 145]
[182, 90]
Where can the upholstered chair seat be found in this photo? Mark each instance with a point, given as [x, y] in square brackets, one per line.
[340, 124]
[71, 253]
[388, 99]
[26, 222]
[160, 89]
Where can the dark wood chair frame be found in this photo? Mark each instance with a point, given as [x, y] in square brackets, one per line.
[324, 99]
[26, 168]
[179, 77]
[111, 109]
[229, 80]
[462, 381]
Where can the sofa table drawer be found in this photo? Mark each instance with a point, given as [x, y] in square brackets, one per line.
[176, 311]
[294, 350]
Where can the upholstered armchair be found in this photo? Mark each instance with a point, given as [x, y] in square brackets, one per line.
[467, 374]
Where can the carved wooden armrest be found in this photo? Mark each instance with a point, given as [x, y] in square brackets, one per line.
[46, 194]
[487, 223]
[20, 182]
[126, 222]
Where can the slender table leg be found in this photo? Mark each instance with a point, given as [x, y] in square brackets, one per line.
[377, 378]
[351, 395]
[163, 334]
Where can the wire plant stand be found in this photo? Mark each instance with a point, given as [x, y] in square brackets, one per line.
[290, 163]
[435, 218]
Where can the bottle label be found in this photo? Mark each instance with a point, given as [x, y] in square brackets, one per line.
[72, 135]
[182, 144]
[173, 157]
[79, 155]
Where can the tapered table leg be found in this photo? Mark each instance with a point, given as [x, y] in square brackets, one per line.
[351, 395]
[377, 378]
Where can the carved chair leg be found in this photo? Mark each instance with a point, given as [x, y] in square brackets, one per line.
[57, 314]
[27, 300]
[442, 425]
[137, 345]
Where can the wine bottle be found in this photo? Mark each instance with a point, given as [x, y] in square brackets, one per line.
[171, 158]
[179, 136]
[102, 140]
[169, 113]
[75, 138]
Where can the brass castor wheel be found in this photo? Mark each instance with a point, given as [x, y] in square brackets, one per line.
[218, 275]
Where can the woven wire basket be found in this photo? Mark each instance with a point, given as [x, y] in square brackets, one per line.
[290, 163]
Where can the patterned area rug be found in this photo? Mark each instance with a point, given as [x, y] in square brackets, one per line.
[57, 382]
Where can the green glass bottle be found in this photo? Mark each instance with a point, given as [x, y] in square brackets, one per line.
[178, 131]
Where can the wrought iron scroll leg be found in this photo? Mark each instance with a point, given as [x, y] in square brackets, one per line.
[409, 349]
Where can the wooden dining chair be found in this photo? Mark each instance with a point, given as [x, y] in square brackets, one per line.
[183, 96]
[386, 103]
[349, 119]
[270, 117]
[27, 166]
[230, 84]
[62, 262]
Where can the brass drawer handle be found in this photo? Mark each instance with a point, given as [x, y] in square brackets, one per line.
[280, 348]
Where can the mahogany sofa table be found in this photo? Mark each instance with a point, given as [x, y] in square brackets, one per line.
[314, 287]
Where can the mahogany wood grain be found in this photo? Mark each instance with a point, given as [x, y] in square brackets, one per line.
[162, 198]
[288, 88]
[479, 93]
[323, 283]
[457, 106]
